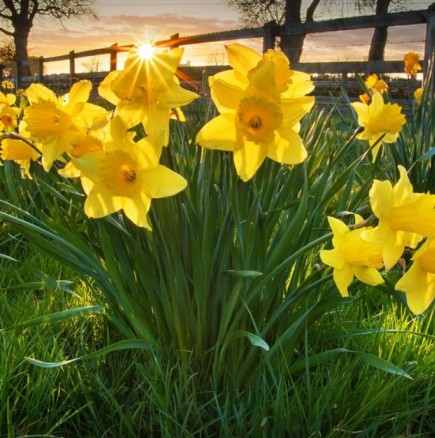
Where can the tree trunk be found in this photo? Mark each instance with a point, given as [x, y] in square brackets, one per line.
[292, 45]
[380, 34]
[378, 43]
[21, 38]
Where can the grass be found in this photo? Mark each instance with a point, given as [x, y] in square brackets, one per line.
[122, 394]
[137, 393]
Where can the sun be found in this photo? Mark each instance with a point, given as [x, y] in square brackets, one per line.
[146, 51]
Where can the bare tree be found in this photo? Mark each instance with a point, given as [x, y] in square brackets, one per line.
[380, 34]
[18, 17]
[259, 12]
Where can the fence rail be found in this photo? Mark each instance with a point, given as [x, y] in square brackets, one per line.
[269, 33]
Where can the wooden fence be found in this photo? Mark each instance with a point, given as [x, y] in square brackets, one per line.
[269, 34]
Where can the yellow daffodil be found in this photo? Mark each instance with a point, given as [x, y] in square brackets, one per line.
[19, 151]
[405, 217]
[57, 122]
[352, 256]
[8, 112]
[382, 122]
[8, 85]
[374, 83]
[147, 90]
[81, 146]
[412, 64]
[418, 94]
[418, 282]
[365, 98]
[126, 176]
[261, 102]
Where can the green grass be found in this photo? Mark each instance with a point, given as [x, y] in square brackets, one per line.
[127, 394]
[137, 393]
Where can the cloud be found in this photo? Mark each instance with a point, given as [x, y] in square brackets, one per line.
[90, 34]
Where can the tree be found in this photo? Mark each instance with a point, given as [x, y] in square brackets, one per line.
[18, 17]
[380, 34]
[259, 12]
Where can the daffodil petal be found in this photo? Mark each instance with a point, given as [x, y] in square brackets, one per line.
[343, 278]
[370, 276]
[287, 148]
[332, 257]
[419, 287]
[105, 89]
[160, 182]
[219, 133]
[136, 209]
[38, 91]
[79, 93]
[131, 112]
[242, 58]
[225, 96]
[100, 202]
[175, 96]
[381, 197]
[248, 158]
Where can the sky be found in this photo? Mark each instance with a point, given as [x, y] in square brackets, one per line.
[136, 21]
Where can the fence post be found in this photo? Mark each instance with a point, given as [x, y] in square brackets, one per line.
[175, 38]
[429, 58]
[72, 67]
[113, 57]
[269, 36]
[41, 69]
[17, 75]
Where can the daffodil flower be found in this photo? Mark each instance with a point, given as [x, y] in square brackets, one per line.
[412, 64]
[126, 176]
[261, 102]
[19, 151]
[147, 90]
[382, 122]
[352, 256]
[405, 217]
[418, 93]
[418, 282]
[56, 122]
[8, 112]
[372, 82]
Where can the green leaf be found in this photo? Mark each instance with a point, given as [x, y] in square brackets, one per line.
[255, 340]
[382, 364]
[128, 344]
[430, 153]
[63, 315]
[370, 359]
[6, 257]
[243, 274]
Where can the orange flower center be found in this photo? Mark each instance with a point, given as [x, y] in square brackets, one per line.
[258, 119]
[119, 174]
[7, 120]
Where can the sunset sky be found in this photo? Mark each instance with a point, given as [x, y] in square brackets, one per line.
[133, 21]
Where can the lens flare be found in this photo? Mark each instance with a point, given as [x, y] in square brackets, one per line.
[146, 51]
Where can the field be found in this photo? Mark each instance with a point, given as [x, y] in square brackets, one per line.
[247, 298]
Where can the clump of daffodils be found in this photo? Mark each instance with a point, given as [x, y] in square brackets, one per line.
[85, 140]
[261, 102]
[405, 220]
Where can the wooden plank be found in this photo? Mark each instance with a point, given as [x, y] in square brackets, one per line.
[352, 23]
